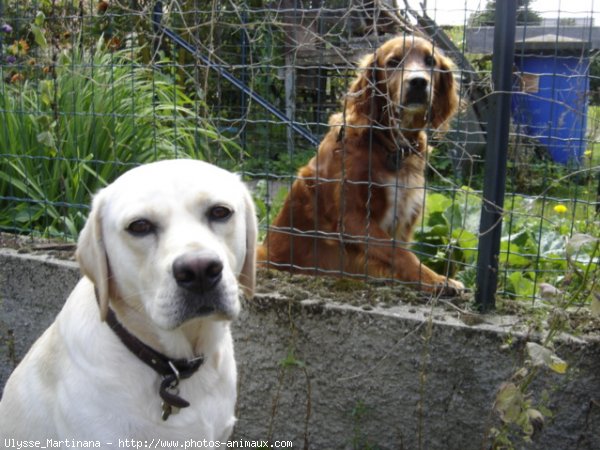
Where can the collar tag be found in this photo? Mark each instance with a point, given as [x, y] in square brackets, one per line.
[171, 371]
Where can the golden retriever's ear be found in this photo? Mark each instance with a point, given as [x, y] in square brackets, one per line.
[247, 277]
[360, 87]
[359, 99]
[446, 96]
[91, 255]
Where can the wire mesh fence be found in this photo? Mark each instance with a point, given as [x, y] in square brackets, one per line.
[91, 88]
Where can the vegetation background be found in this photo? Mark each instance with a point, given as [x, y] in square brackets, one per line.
[89, 88]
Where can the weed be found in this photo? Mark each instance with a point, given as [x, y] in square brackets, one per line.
[360, 414]
[10, 345]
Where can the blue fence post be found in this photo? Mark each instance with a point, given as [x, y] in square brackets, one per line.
[496, 154]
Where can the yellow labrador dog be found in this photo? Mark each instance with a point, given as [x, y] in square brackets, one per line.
[142, 348]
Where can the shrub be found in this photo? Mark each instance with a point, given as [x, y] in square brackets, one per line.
[95, 115]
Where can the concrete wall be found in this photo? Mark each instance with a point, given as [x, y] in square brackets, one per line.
[330, 376]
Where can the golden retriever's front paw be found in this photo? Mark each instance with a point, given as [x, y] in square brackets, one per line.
[449, 287]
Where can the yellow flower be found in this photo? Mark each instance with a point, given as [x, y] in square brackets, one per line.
[560, 209]
[587, 153]
[19, 48]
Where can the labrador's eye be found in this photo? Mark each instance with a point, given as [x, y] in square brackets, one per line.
[429, 60]
[219, 213]
[141, 227]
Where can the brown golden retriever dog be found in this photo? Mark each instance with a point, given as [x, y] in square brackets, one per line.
[353, 207]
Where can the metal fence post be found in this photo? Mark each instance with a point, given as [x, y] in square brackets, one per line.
[496, 154]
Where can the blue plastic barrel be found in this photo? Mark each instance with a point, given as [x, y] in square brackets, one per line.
[550, 102]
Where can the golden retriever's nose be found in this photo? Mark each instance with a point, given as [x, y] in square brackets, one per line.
[198, 271]
[417, 92]
[418, 83]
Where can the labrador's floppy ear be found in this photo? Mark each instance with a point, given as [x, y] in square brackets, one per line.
[91, 254]
[247, 277]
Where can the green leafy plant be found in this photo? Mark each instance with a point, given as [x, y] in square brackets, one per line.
[537, 241]
[360, 414]
[267, 206]
[64, 137]
[447, 239]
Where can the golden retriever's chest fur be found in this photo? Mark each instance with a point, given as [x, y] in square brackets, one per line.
[391, 186]
[404, 195]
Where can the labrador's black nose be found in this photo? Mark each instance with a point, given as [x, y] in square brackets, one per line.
[198, 271]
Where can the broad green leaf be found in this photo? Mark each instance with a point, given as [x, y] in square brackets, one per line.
[520, 238]
[521, 285]
[454, 216]
[544, 357]
[437, 218]
[509, 403]
[551, 243]
[40, 17]
[468, 243]
[512, 255]
[437, 202]
[38, 35]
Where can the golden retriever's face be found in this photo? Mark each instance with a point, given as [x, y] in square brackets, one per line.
[409, 67]
[412, 77]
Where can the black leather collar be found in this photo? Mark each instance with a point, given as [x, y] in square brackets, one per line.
[396, 153]
[394, 159]
[171, 370]
[398, 149]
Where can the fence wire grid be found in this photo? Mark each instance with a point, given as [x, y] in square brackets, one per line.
[90, 89]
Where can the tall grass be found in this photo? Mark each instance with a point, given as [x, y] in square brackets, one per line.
[64, 137]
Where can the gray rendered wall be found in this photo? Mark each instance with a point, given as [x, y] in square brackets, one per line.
[330, 376]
